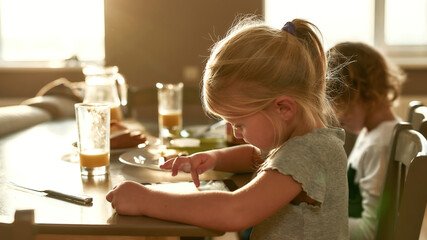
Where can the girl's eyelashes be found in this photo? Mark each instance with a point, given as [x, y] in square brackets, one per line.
[237, 126]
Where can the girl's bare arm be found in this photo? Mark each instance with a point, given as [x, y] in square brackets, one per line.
[225, 211]
[242, 158]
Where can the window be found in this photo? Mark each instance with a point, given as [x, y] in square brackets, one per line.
[398, 28]
[402, 32]
[409, 29]
[46, 32]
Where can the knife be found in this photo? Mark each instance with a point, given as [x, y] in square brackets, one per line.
[74, 198]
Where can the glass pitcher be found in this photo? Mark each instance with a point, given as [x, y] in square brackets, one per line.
[101, 87]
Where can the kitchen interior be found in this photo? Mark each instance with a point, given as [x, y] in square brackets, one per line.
[154, 41]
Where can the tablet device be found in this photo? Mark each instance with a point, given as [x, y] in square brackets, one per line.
[186, 187]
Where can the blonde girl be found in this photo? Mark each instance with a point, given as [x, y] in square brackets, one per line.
[269, 84]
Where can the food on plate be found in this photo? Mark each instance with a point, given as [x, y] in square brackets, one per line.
[127, 139]
[122, 137]
[116, 126]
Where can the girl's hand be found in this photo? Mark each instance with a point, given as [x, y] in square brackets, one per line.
[128, 198]
[195, 164]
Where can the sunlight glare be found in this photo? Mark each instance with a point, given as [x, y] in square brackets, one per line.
[338, 20]
[52, 29]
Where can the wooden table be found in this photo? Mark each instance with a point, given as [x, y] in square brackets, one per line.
[38, 157]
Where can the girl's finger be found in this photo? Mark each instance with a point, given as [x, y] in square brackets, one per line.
[176, 165]
[185, 167]
[195, 177]
[167, 165]
[194, 169]
[201, 169]
[109, 196]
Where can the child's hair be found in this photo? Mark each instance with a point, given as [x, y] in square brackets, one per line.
[254, 64]
[364, 74]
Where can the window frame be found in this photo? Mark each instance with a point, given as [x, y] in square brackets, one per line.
[408, 56]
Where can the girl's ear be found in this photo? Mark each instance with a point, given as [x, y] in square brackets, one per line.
[286, 106]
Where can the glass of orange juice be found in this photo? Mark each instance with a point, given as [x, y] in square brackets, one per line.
[170, 110]
[93, 127]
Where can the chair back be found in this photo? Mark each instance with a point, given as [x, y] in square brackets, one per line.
[403, 200]
[21, 229]
[417, 117]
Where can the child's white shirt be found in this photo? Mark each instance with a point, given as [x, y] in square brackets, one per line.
[369, 158]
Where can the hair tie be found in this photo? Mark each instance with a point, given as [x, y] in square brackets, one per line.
[289, 27]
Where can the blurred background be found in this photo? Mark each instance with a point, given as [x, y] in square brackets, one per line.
[168, 41]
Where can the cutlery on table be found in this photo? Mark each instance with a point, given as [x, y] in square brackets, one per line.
[74, 198]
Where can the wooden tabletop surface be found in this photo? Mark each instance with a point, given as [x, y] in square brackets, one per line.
[41, 157]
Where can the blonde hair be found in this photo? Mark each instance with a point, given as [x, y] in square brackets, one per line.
[254, 64]
[362, 73]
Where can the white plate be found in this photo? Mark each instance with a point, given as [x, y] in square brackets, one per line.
[150, 140]
[123, 150]
[147, 157]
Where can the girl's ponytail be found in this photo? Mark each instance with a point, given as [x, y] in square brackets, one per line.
[307, 33]
[310, 37]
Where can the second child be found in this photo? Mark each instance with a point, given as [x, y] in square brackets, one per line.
[363, 98]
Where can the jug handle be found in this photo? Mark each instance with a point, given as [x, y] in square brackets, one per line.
[123, 89]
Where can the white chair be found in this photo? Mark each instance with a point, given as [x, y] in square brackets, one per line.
[21, 229]
[404, 196]
[417, 116]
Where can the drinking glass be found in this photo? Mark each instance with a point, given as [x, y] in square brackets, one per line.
[93, 125]
[170, 110]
